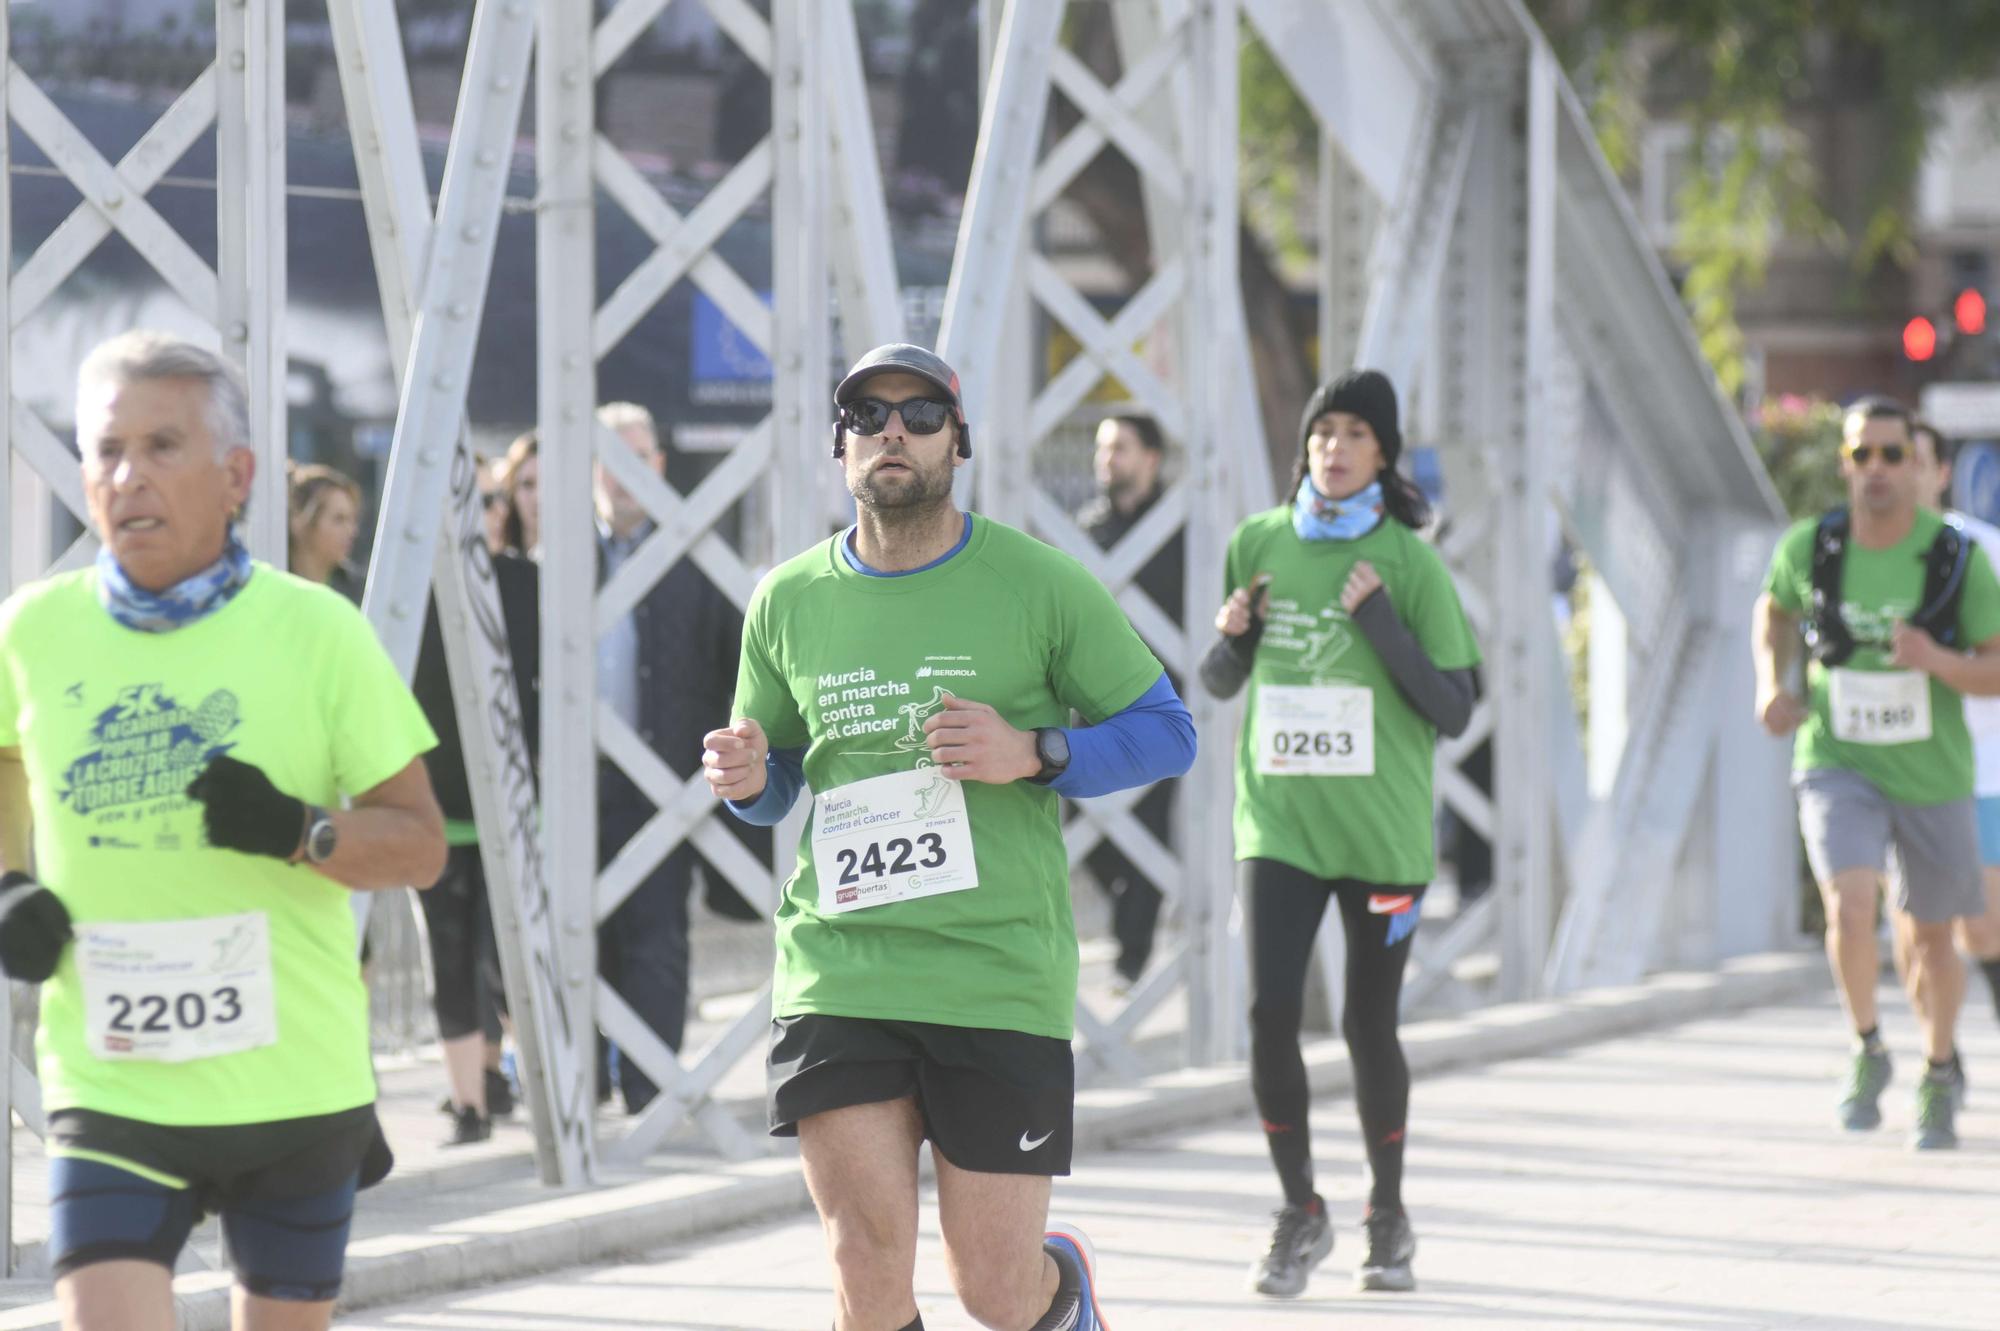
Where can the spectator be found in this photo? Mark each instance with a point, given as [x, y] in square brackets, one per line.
[667, 670]
[521, 482]
[1129, 457]
[325, 515]
[494, 507]
[467, 996]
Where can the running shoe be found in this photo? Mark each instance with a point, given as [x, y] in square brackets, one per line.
[1936, 1104]
[1078, 1261]
[1865, 1081]
[1959, 1086]
[499, 1094]
[468, 1125]
[1300, 1240]
[1391, 1246]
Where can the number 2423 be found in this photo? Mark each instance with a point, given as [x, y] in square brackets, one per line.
[854, 865]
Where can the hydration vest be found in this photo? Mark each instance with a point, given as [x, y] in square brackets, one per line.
[1827, 635]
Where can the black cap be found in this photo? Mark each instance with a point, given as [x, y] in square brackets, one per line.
[1364, 393]
[908, 359]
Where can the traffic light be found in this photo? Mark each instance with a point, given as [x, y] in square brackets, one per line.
[1920, 339]
[1969, 313]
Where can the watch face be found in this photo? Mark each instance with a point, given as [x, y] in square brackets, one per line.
[1055, 747]
[320, 840]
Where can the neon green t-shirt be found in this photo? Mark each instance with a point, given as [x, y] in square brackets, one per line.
[1376, 827]
[1877, 588]
[112, 724]
[849, 666]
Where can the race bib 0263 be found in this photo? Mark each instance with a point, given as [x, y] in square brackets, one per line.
[1880, 706]
[891, 838]
[1317, 730]
[173, 990]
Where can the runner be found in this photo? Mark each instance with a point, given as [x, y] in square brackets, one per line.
[1901, 615]
[916, 673]
[178, 725]
[1978, 935]
[1347, 627]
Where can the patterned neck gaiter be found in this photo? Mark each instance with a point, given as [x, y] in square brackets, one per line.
[179, 605]
[1317, 518]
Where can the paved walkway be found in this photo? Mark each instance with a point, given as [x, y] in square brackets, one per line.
[1683, 1178]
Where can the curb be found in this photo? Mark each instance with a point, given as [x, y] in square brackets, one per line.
[562, 1230]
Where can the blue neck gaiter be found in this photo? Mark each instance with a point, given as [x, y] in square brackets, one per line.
[179, 605]
[1317, 518]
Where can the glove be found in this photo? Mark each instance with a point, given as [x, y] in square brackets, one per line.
[242, 810]
[34, 925]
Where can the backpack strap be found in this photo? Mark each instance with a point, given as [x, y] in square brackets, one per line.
[1826, 633]
[1944, 584]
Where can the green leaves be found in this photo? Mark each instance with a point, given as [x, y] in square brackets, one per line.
[1777, 95]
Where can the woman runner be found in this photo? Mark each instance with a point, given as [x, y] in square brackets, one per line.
[1347, 628]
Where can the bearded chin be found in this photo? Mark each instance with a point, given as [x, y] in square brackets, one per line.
[926, 491]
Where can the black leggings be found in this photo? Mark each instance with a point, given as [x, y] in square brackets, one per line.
[1282, 907]
[465, 961]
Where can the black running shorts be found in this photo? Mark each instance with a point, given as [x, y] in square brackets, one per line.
[994, 1102]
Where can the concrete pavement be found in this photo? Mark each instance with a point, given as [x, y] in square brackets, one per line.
[1684, 1177]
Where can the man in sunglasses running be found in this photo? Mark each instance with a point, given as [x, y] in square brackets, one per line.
[916, 673]
[1902, 619]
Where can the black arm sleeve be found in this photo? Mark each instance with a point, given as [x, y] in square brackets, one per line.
[1442, 697]
[1228, 662]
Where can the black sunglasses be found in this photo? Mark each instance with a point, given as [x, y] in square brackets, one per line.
[1892, 454]
[870, 415]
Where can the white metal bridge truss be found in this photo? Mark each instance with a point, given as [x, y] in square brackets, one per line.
[1456, 166]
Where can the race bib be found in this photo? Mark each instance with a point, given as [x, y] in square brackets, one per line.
[891, 838]
[175, 990]
[1881, 706]
[1317, 730]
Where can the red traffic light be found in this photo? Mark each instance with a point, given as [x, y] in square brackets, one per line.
[1920, 339]
[1969, 312]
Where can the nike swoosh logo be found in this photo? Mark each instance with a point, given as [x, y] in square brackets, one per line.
[1031, 1143]
[1384, 905]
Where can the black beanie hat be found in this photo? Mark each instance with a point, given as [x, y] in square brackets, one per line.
[1364, 393]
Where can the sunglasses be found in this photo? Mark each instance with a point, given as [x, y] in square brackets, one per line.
[870, 415]
[1892, 454]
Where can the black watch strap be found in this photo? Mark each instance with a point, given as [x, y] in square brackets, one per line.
[1052, 748]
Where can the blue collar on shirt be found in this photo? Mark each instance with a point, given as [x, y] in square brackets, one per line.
[854, 560]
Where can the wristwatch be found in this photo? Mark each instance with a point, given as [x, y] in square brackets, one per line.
[1052, 747]
[320, 835]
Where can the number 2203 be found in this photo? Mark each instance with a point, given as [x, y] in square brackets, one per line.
[190, 1011]
[870, 862]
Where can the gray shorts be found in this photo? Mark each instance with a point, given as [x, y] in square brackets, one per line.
[1930, 851]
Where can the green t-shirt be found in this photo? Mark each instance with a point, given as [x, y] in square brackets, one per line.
[849, 666]
[1377, 828]
[112, 724]
[1877, 588]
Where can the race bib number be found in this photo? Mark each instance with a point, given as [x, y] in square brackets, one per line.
[176, 990]
[1881, 706]
[1318, 730]
[891, 838]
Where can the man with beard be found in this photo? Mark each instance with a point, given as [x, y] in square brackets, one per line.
[1901, 616]
[1129, 455]
[916, 673]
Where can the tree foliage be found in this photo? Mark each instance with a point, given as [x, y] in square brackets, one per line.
[1746, 67]
[1799, 441]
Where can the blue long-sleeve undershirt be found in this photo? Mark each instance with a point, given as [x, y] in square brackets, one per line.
[784, 777]
[1149, 741]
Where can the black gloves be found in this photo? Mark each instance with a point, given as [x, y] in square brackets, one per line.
[33, 928]
[242, 810]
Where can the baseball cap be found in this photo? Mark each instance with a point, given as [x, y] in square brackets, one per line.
[907, 359]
